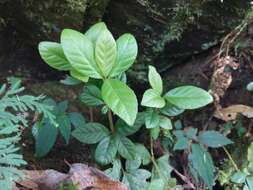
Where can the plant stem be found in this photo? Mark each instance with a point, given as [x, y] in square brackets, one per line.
[153, 159]
[185, 179]
[109, 113]
[231, 159]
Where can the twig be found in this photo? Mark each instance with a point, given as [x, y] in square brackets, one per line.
[185, 179]
[109, 113]
[231, 159]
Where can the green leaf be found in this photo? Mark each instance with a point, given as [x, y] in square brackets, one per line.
[213, 139]
[249, 182]
[191, 133]
[188, 97]
[69, 80]
[45, 138]
[156, 184]
[94, 31]
[181, 144]
[79, 51]
[136, 179]
[77, 75]
[250, 153]
[171, 110]
[106, 150]
[61, 107]
[165, 123]
[239, 177]
[151, 98]
[152, 119]
[133, 164]
[115, 171]
[202, 162]
[77, 119]
[91, 133]
[178, 124]
[126, 54]
[105, 52]
[52, 54]
[91, 96]
[155, 132]
[164, 168]
[64, 126]
[120, 99]
[126, 147]
[155, 80]
[125, 130]
[143, 153]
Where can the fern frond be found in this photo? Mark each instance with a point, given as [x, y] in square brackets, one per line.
[12, 109]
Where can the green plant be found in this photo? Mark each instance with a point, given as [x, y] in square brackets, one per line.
[96, 59]
[13, 109]
[174, 102]
[46, 133]
[241, 178]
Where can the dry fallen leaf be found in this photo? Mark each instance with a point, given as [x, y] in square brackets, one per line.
[230, 113]
[85, 177]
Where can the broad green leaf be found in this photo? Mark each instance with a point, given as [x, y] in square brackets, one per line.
[69, 80]
[133, 164]
[171, 110]
[105, 52]
[91, 96]
[61, 107]
[64, 126]
[143, 153]
[202, 162]
[188, 97]
[142, 156]
[79, 51]
[191, 133]
[45, 138]
[151, 98]
[91, 133]
[77, 119]
[249, 180]
[155, 133]
[77, 75]
[178, 124]
[163, 171]
[239, 177]
[122, 77]
[155, 80]
[115, 171]
[126, 147]
[136, 179]
[213, 139]
[179, 133]
[152, 119]
[120, 99]
[52, 54]
[126, 54]
[181, 144]
[156, 184]
[94, 31]
[106, 150]
[165, 123]
[125, 130]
